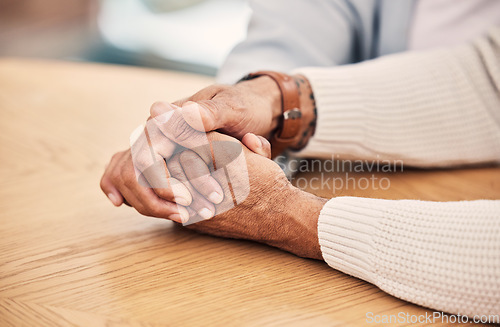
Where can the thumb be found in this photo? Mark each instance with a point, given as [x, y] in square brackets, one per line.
[206, 115]
[257, 144]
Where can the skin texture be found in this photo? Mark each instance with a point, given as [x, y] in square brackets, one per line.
[247, 107]
[274, 212]
[252, 106]
[236, 110]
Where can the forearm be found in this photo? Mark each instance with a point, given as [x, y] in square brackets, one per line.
[295, 227]
[442, 255]
[433, 108]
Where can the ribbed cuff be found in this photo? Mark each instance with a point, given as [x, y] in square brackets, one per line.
[346, 228]
[442, 255]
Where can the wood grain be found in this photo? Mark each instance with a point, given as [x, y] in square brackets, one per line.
[68, 257]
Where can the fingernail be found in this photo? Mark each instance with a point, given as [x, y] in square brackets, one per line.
[205, 213]
[264, 141]
[256, 140]
[162, 118]
[184, 216]
[162, 112]
[261, 144]
[182, 201]
[175, 217]
[179, 217]
[215, 197]
[157, 109]
[113, 198]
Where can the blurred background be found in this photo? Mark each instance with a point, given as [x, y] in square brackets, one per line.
[186, 35]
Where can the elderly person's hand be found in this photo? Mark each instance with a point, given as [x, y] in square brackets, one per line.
[139, 176]
[252, 106]
[258, 202]
[273, 212]
[158, 193]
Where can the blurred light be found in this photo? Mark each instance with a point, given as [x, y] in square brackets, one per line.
[202, 33]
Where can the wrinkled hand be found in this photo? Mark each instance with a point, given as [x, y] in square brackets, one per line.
[258, 202]
[252, 106]
[247, 107]
[146, 184]
[274, 212]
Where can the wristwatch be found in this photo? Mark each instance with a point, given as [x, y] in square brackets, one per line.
[290, 120]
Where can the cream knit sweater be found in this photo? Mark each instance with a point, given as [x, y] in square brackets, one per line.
[428, 109]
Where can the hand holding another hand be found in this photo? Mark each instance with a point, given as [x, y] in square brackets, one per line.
[257, 202]
[251, 106]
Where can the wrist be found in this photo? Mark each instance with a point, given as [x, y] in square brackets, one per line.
[290, 107]
[267, 89]
[272, 93]
[299, 224]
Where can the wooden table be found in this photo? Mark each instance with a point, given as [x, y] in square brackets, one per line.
[68, 257]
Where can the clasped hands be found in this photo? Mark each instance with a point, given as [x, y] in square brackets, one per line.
[178, 172]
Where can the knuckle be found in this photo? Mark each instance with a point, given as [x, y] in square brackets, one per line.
[181, 101]
[164, 193]
[207, 93]
[154, 210]
[157, 105]
[182, 131]
[115, 176]
[221, 88]
[188, 159]
[129, 182]
[175, 169]
[115, 157]
[142, 161]
[142, 210]
[103, 184]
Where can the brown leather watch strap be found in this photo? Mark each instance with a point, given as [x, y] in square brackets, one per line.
[290, 122]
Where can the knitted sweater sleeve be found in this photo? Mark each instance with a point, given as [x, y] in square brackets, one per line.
[427, 109]
[442, 255]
